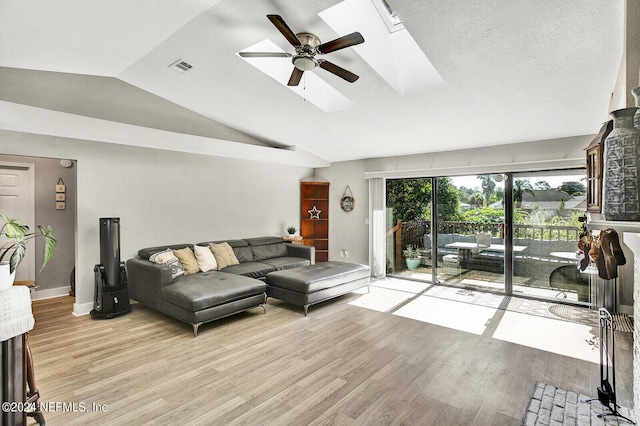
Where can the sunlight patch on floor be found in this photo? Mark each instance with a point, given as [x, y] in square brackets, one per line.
[409, 286]
[560, 337]
[482, 283]
[447, 313]
[381, 299]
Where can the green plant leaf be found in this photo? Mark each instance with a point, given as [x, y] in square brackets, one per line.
[20, 249]
[14, 229]
[49, 244]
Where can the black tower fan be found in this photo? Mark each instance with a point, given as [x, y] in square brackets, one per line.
[112, 295]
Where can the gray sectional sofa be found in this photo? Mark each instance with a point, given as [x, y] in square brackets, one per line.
[206, 296]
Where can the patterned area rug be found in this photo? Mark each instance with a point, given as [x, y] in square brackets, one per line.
[622, 322]
[575, 314]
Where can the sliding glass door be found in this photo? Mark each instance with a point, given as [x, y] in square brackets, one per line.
[464, 231]
[547, 208]
[470, 238]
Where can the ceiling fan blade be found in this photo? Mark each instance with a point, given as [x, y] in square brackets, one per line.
[342, 42]
[265, 54]
[284, 29]
[296, 75]
[340, 72]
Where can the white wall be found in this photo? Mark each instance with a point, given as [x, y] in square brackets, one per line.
[164, 197]
[348, 230]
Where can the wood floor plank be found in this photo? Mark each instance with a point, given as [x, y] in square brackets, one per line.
[340, 365]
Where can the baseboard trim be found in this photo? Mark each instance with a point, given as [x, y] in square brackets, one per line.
[51, 293]
[81, 309]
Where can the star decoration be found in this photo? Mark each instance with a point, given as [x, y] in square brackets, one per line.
[314, 212]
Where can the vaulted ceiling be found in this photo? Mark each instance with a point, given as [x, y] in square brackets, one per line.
[513, 71]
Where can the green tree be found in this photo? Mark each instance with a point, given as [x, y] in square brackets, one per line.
[411, 199]
[498, 195]
[477, 200]
[448, 200]
[466, 194]
[484, 215]
[573, 188]
[488, 186]
[520, 186]
[543, 184]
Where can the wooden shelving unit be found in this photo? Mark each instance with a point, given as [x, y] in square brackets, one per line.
[314, 196]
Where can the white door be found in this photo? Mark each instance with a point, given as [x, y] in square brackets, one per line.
[16, 201]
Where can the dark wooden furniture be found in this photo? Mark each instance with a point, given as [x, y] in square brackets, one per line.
[314, 217]
[595, 165]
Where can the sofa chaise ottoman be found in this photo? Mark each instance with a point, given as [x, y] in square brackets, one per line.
[308, 285]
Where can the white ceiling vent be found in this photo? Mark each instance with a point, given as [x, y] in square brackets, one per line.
[181, 66]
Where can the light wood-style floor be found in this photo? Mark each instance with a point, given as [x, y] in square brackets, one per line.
[341, 365]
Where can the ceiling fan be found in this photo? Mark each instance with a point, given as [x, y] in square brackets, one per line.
[307, 46]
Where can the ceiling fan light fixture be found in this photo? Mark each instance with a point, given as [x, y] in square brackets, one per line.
[304, 63]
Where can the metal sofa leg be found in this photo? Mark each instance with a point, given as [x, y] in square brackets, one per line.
[195, 328]
[264, 307]
[306, 308]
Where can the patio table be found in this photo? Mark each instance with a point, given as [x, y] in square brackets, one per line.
[465, 249]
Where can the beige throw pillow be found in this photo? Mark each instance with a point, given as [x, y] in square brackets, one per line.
[205, 258]
[224, 255]
[188, 260]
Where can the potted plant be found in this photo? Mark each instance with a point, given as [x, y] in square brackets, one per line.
[291, 230]
[14, 248]
[412, 257]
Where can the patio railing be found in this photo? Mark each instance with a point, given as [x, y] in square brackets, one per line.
[412, 233]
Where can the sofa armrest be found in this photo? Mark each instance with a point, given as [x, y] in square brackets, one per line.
[305, 252]
[146, 280]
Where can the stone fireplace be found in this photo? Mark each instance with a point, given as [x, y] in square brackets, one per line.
[632, 241]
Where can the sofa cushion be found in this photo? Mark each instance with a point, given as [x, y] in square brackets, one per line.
[206, 259]
[267, 248]
[251, 269]
[208, 289]
[188, 260]
[240, 248]
[269, 251]
[224, 255]
[287, 262]
[166, 257]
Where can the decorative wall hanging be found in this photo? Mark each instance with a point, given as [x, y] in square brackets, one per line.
[314, 213]
[61, 196]
[347, 202]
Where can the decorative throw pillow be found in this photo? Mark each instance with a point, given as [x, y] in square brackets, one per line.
[188, 260]
[205, 258]
[166, 257]
[224, 255]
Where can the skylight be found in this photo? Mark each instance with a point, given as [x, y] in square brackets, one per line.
[393, 21]
[394, 55]
[312, 88]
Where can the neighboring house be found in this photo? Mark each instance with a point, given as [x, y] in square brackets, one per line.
[552, 201]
